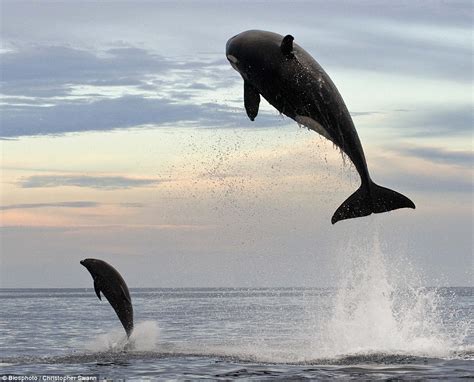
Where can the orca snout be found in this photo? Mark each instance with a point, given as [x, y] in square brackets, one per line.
[230, 51]
[227, 45]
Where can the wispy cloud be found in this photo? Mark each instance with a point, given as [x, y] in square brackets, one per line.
[440, 155]
[436, 121]
[60, 65]
[77, 204]
[424, 169]
[132, 205]
[420, 181]
[51, 90]
[96, 182]
[74, 204]
[106, 114]
[54, 72]
[427, 38]
[122, 112]
[59, 88]
[356, 114]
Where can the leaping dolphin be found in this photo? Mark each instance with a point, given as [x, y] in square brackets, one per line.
[108, 281]
[296, 85]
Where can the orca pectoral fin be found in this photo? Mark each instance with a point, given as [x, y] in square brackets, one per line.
[97, 289]
[251, 100]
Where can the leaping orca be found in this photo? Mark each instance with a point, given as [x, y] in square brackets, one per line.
[295, 84]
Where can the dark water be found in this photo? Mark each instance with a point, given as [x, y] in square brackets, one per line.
[260, 334]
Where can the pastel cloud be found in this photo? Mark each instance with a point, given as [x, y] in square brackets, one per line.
[72, 204]
[440, 155]
[434, 120]
[76, 204]
[245, 199]
[97, 182]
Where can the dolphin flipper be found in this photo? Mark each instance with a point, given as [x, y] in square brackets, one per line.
[375, 199]
[97, 289]
[251, 100]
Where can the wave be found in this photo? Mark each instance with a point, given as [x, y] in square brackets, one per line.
[124, 357]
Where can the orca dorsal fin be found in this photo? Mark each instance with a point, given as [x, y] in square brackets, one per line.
[287, 45]
[97, 289]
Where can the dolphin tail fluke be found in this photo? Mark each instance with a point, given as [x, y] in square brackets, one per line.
[366, 201]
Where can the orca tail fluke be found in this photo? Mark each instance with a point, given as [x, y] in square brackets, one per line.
[367, 200]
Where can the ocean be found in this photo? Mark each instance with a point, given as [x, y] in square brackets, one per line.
[378, 324]
[222, 334]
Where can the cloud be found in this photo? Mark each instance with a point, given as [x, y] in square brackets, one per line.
[54, 71]
[440, 155]
[106, 114]
[434, 121]
[123, 112]
[50, 90]
[423, 182]
[62, 64]
[356, 114]
[146, 82]
[391, 49]
[423, 169]
[78, 204]
[418, 39]
[97, 182]
[132, 205]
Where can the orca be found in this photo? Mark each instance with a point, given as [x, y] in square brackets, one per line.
[293, 82]
[109, 281]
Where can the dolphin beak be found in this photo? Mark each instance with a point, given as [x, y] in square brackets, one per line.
[82, 262]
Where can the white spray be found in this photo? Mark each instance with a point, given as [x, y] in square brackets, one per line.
[382, 308]
[144, 338]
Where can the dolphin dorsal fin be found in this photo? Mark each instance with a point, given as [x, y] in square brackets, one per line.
[287, 45]
[97, 289]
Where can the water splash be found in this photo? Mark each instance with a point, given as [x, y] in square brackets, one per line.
[144, 338]
[385, 308]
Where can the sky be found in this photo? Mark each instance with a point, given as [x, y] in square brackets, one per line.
[124, 137]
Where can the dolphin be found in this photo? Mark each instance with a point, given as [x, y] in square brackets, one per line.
[108, 281]
[297, 86]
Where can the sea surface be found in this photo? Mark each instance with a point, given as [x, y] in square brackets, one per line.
[224, 334]
[380, 323]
